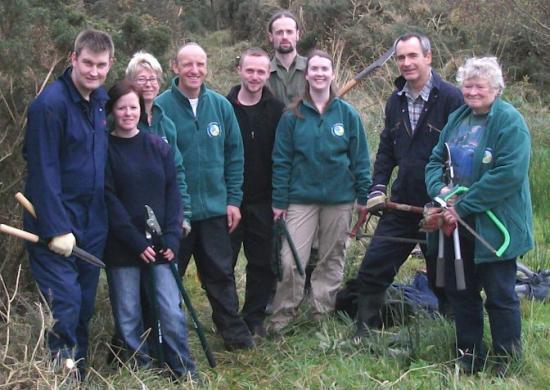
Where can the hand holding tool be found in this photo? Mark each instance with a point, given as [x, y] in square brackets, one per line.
[432, 218]
[459, 262]
[63, 244]
[363, 216]
[76, 251]
[278, 214]
[155, 231]
[470, 229]
[186, 226]
[376, 201]
[506, 235]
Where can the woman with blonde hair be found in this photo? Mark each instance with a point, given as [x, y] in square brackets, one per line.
[145, 72]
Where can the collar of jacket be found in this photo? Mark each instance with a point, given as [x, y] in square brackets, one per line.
[465, 110]
[157, 113]
[309, 105]
[233, 94]
[98, 94]
[176, 91]
[436, 80]
[300, 63]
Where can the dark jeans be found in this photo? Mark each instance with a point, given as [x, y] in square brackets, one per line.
[497, 279]
[384, 258]
[255, 233]
[210, 246]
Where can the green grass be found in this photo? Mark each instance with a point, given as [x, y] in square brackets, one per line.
[311, 355]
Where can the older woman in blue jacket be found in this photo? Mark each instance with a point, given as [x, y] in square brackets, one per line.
[490, 149]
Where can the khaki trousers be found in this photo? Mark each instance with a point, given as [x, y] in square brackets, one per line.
[331, 222]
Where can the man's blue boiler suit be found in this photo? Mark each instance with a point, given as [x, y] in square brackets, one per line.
[65, 148]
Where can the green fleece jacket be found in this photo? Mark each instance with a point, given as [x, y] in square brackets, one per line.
[165, 129]
[500, 169]
[211, 146]
[320, 159]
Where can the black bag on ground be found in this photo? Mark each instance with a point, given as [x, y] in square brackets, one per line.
[532, 285]
[402, 301]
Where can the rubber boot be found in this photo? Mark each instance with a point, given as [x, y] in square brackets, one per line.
[369, 317]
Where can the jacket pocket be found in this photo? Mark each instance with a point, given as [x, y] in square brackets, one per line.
[432, 128]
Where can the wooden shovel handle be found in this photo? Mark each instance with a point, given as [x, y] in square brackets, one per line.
[346, 88]
[404, 207]
[27, 205]
[19, 233]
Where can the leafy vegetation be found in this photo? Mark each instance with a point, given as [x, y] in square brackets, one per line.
[35, 38]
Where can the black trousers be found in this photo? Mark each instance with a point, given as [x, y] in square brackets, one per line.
[384, 258]
[210, 246]
[255, 234]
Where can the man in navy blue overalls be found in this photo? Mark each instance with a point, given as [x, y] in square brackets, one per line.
[65, 149]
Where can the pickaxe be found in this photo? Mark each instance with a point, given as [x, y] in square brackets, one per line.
[365, 72]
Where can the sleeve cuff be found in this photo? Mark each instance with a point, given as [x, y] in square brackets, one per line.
[460, 210]
[172, 242]
[362, 201]
[234, 202]
[139, 244]
[279, 205]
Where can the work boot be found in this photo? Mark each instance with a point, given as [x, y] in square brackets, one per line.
[237, 345]
[369, 317]
[259, 331]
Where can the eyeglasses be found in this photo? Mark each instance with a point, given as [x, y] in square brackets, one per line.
[145, 80]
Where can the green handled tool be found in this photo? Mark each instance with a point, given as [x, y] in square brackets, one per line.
[155, 231]
[279, 230]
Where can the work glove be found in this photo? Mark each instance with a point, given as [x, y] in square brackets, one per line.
[186, 227]
[63, 245]
[376, 201]
[432, 218]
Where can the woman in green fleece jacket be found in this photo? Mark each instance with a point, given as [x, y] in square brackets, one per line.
[490, 149]
[321, 167]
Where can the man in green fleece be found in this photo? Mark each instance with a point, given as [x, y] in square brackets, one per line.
[209, 140]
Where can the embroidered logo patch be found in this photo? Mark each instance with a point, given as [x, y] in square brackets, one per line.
[487, 156]
[338, 129]
[213, 129]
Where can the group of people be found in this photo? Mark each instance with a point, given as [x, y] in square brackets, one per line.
[218, 171]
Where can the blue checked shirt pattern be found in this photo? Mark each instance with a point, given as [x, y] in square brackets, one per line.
[416, 103]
